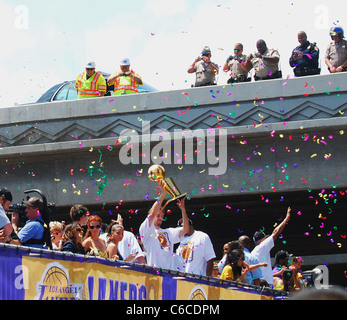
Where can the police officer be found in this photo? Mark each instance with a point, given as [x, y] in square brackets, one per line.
[336, 54]
[305, 57]
[204, 68]
[265, 62]
[234, 64]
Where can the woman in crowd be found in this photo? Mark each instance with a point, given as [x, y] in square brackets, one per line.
[234, 269]
[93, 244]
[72, 239]
[115, 235]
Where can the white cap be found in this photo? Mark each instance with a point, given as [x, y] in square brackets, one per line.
[91, 65]
[125, 62]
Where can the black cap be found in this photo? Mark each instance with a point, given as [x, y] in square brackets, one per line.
[6, 194]
[282, 255]
[259, 235]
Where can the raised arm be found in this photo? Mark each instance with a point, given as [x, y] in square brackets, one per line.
[157, 204]
[278, 230]
[191, 69]
[185, 225]
[247, 66]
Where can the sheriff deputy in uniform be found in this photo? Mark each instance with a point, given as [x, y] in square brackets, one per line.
[90, 84]
[264, 62]
[234, 64]
[204, 69]
[305, 57]
[336, 54]
[125, 81]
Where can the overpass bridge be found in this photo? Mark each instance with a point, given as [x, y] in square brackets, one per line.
[242, 152]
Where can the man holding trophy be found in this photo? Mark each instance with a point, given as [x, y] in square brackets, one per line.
[159, 243]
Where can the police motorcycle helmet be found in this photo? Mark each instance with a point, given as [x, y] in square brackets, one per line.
[336, 31]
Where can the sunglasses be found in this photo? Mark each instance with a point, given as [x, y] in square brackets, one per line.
[92, 227]
[79, 229]
[237, 50]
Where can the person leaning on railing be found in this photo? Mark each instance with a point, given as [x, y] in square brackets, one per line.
[126, 81]
[305, 58]
[336, 53]
[265, 62]
[204, 69]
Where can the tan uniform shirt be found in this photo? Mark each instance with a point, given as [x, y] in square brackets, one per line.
[235, 66]
[337, 54]
[204, 73]
[264, 68]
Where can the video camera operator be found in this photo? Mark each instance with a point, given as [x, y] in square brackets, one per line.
[32, 233]
[5, 223]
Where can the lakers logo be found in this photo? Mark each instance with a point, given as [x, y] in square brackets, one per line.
[198, 293]
[55, 285]
[187, 251]
[164, 240]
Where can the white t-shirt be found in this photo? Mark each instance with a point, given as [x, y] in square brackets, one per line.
[196, 250]
[129, 245]
[159, 245]
[262, 253]
[4, 220]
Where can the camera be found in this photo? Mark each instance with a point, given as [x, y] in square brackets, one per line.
[48, 212]
[20, 209]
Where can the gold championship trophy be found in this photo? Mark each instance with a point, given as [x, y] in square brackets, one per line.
[157, 173]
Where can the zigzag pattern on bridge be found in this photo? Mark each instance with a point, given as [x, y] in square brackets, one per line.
[201, 117]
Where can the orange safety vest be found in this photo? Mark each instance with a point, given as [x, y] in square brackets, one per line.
[90, 88]
[125, 85]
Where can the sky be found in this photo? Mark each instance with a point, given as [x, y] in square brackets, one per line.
[45, 42]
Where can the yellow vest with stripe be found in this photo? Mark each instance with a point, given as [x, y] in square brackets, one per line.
[92, 87]
[126, 85]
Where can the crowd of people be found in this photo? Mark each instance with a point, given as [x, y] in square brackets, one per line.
[155, 246]
[241, 263]
[304, 60]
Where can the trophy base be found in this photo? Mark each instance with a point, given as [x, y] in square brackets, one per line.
[173, 199]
